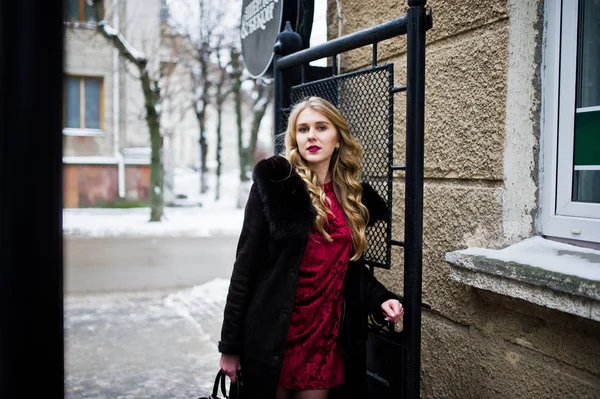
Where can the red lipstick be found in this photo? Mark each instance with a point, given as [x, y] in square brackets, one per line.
[313, 148]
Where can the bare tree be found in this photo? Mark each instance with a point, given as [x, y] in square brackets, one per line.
[217, 73]
[263, 97]
[260, 97]
[152, 97]
[178, 118]
[203, 39]
[201, 100]
[237, 71]
[221, 95]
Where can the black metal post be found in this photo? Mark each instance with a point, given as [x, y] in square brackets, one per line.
[278, 144]
[413, 230]
[287, 42]
[31, 246]
[386, 30]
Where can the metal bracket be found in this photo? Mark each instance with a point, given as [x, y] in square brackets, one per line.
[429, 19]
[398, 89]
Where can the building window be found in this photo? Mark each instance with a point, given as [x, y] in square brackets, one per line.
[164, 11]
[83, 103]
[79, 10]
[586, 158]
[571, 174]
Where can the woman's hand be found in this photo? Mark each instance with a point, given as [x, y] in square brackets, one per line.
[230, 364]
[392, 310]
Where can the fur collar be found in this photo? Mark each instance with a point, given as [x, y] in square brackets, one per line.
[286, 200]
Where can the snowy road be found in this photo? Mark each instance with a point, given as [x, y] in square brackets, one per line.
[143, 345]
[144, 301]
[115, 264]
[143, 315]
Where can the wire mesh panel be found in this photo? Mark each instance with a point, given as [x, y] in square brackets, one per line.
[364, 99]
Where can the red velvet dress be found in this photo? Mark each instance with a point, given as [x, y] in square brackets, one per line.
[313, 357]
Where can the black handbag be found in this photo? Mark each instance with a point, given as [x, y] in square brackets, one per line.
[385, 361]
[220, 381]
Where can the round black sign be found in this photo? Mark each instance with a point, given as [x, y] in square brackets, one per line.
[262, 20]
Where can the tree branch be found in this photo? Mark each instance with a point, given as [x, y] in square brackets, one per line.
[125, 48]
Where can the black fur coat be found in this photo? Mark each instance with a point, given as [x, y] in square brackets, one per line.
[278, 218]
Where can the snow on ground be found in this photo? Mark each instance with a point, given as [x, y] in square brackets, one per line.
[144, 344]
[187, 219]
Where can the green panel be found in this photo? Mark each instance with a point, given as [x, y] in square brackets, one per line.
[587, 138]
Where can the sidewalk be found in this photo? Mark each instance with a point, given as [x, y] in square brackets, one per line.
[159, 342]
[154, 345]
[133, 222]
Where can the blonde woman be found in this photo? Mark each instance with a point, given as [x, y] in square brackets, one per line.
[295, 319]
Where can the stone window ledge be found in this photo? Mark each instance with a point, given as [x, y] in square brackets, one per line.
[551, 274]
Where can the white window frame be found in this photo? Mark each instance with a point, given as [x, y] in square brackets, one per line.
[559, 216]
[79, 132]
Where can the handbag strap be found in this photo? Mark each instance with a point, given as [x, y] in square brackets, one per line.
[234, 390]
[221, 380]
[223, 388]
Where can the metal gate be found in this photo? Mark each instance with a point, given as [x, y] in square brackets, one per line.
[366, 99]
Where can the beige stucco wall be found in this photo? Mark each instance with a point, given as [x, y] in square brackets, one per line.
[481, 148]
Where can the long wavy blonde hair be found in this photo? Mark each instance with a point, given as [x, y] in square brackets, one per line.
[344, 168]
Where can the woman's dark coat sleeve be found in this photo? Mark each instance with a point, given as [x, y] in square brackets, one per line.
[375, 295]
[375, 292]
[251, 249]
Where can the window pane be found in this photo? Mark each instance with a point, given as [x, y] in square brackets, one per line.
[586, 177]
[72, 10]
[588, 54]
[587, 138]
[92, 103]
[89, 12]
[586, 186]
[586, 157]
[72, 102]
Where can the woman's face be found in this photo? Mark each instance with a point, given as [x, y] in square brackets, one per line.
[317, 138]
